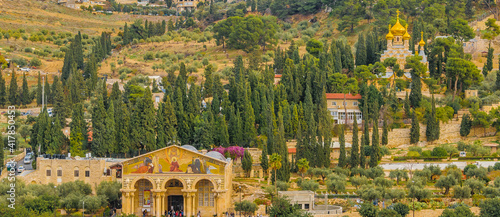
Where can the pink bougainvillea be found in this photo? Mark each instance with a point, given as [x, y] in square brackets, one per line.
[233, 152]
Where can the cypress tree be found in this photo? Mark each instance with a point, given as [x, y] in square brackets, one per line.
[25, 94]
[360, 51]
[497, 82]
[249, 120]
[222, 135]
[76, 133]
[115, 93]
[3, 92]
[489, 62]
[370, 50]
[407, 106]
[342, 156]
[98, 146]
[58, 100]
[385, 133]
[284, 171]
[415, 129]
[38, 90]
[2, 146]
[147, 121]
[165, 124]
[468, 9]
[122, 117]
[13, 92]
[375, 150]
[355, 158]
[416, 91]
[78, 50]
[465, 125]
[48, 93]
[56, 138]
[110, 133]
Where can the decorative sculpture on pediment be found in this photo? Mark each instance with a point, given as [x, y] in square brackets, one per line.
[220, 185]
[158, 183]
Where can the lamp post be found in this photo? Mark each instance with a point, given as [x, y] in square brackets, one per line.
[83, 212]
[55, 201]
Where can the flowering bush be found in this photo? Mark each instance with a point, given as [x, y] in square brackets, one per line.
[232, 151]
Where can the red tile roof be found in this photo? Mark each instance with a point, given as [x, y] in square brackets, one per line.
[341, 96]
[277, 76]
[292, 150]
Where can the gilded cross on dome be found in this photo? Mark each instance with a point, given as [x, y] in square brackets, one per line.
[397, 12]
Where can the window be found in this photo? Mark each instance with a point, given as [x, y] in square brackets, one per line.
[306, 206]
[157, 99]
[334, 103]
[77, 173]
[49, 172]
[87, 173]
[59, 172]
[355, 103]
[205, 193]
[108, 172]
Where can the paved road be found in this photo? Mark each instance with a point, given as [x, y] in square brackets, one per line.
[419, 166]
[27, 168]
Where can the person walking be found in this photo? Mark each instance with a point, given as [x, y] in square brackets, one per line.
[199, 214]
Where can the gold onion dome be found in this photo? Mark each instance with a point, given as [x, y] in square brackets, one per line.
[406, 36]
[389, 35]
[398, 29]
[422, 42]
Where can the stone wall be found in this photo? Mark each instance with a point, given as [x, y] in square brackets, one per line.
[449, 133]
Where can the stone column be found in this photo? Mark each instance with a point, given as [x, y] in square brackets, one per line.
[132, 201]
[125, 203]
[187, 206]
[162, 201]
[193, 203]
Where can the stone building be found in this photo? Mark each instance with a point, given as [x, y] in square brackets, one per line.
[183, 5]
[57, 171]
[177, 178]
[335, 103]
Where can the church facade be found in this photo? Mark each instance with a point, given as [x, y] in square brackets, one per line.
[177, 178]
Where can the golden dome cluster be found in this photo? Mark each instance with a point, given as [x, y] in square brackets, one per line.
[398, 30]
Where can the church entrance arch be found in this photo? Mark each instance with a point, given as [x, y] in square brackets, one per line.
[174, 195]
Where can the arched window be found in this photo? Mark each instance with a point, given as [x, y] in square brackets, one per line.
[205, 193]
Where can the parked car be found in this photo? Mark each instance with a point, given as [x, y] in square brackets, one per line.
[27, 160]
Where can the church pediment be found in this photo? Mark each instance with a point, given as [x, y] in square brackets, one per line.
[174, 159]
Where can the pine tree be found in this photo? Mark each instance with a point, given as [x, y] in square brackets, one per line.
[375, 150]
[38, 91]
[355, 158]
[13, 92]
[415, 129]
[342, 156]
[385, 133]
[3, 92]
[361, 51]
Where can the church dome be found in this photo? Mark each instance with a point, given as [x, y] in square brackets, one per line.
[216, 155]
[398, 29]
[422, 42]
[189, 147]
[389, 35]
[406, 36]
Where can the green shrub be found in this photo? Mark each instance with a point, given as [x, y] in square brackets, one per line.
[28, 50]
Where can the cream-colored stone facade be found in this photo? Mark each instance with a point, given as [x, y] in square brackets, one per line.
[177, 178]
[58, 171]
[183, 5]
[335, 104]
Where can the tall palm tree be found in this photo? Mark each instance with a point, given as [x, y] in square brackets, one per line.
[275, 163]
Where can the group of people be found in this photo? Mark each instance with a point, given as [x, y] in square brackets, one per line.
[172, 213]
